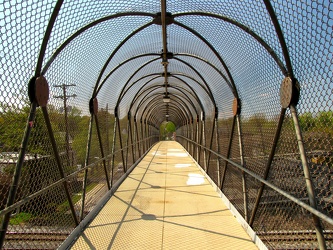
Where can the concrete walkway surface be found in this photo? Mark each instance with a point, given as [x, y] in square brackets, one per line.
[165, 203]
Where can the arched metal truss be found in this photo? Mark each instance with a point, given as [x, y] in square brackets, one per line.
[249, 90]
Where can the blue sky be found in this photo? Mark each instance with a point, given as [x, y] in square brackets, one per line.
[308, 31]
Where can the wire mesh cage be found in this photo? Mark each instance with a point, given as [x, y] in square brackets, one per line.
[86, 85]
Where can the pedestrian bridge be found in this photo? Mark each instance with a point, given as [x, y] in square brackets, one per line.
[169, 124]
[165, 203]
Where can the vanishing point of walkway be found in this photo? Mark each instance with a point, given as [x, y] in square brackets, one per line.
[165, 203]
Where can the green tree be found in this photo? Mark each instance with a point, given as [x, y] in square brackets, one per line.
[324, 121]
[306, 121]
[166, 129]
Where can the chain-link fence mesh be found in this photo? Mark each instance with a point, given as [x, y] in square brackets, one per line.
[57, 166]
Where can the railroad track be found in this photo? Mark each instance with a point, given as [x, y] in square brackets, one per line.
[296, 236]
[34, 240]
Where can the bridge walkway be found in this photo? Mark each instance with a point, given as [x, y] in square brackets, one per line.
[165, 203]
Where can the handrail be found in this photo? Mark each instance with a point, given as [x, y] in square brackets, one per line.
[267, 183]
[66, 178]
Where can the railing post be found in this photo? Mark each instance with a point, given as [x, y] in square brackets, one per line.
[218, 150]
[18, 168]
[188, 135]
[86, 162]
[120, 140]
[268, 165]
[228, 152]
[41, 96]
[93, 110]
[131, 134]
[113, 147]
[200, 137]
[289, 97]
[107, 137]
[211, 138]
[101, 147]
[137, 137]
[149, 134]
[243, 165]
[142, 137]
[58, 161]
[204, 144]
[197, 138]
[127, 140]
[308, 179]
[193, 137]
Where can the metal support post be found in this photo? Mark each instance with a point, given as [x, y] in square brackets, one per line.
[218, 150]
[58, 160]
[107, 146]
[203, 136]
[211, 144]
[243, 165]
[188, 135]
[147, 136]
[134, 141]
[18, 169]
[142, 138]
[197, 139]
[228, 152]
[120, 142]
[147, 128]
[65, 97]
[102, 151]
[200, 141]
[193, 138]
[113, 150]
[127, 140]
[268, 165]
[132, 144]
[308, 180]
[137, 138]
[86, 163]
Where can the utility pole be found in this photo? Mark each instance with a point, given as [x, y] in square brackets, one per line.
[65, 97]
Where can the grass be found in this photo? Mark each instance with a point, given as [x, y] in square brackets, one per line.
[20, 218]
[63, 207]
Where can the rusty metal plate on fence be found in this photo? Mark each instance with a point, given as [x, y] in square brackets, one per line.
[286, 92]
[235, 106]
[95, 106]
[41, 91]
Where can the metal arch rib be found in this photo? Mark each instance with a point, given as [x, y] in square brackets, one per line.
[156, 87]
[135, 98]
[234, 90]
[173, 75]
[132, 85]
[152, 102]
[145, 64]
[207, 62]
[279, 33]
[129, 79]
[116, 50]
[183, 111]
[122, 64]
[245, 29]
[201, 77]
[88, 26]
[47, 37]
[175, 117]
